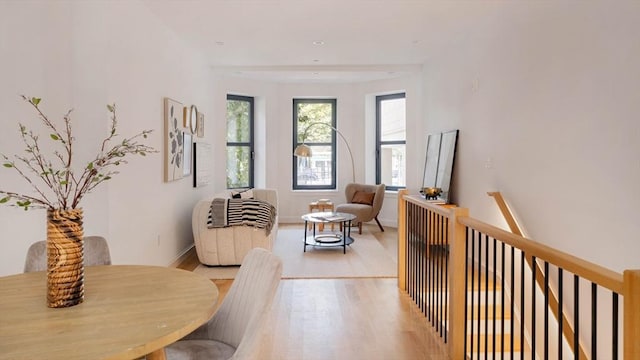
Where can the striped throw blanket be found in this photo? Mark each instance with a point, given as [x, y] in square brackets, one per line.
[235, 212]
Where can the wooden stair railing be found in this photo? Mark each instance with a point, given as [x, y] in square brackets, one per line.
[455, 231]
[553, 301]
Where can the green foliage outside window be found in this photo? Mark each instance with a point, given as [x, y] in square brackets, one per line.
[317, 171]
[312, 113]
[238, 143]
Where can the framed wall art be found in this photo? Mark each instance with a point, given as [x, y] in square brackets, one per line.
[200, 127]
[187, 143]
[173, 144]
[201, 164]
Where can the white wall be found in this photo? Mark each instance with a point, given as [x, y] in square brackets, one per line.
[547, 96]
[85, 55]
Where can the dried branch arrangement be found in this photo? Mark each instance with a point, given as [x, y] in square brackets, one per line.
[56, 184]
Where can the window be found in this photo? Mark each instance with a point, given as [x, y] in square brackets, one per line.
[391, 141]
[313, 124]
[239, 142]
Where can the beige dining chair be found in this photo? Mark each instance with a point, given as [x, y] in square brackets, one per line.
[234, 330]
[96, 252]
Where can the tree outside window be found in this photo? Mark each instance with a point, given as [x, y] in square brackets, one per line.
[239, 142]
[316, 117]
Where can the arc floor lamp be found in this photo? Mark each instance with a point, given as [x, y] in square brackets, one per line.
[304, 150]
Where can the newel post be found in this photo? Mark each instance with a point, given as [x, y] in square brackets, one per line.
[631, 288]
[457, 270]
[402, 239]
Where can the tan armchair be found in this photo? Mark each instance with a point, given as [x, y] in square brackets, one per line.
[363, 201]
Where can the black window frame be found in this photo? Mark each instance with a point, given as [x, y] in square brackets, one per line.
[251, 143]
[380, 143]
[334, 111]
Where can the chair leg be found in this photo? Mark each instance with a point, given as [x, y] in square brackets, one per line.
[360, 228]
[379, 225]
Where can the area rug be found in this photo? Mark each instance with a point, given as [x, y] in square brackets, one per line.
[366, 257]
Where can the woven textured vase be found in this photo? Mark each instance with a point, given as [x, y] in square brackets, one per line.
[65, 259]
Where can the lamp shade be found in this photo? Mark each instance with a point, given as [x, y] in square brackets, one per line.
[303, 150]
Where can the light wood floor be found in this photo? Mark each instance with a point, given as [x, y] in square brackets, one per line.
[363, 318]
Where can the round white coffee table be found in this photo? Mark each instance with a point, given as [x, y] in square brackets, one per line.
[331, 239]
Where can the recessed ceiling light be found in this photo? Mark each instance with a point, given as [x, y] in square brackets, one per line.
[316, 73]
[219, 43]
[316, 60]
[318, 42]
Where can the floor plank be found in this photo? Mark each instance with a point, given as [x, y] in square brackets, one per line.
[363, 318]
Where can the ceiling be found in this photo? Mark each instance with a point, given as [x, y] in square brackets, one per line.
[320, 40]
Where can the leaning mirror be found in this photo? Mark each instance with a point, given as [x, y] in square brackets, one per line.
[446, 157]
[431, 161]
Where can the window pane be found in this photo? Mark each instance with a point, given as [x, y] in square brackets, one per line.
[238, 161]
[392, 165]
[314, 121]
[315, 170]
[392, 126]
[311, 113]
[238, 121]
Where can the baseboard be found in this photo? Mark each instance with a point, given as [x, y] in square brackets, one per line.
[181, 257]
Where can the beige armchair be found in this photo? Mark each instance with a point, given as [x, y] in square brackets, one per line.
[363, 201]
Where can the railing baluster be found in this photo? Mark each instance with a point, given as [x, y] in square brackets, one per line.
[430, 269]
[533, 307]
[446, 278]
[502, 305]
[434, 249]
[422, 258]
[466, 288]
[441, 273]
[486, 298]
[522, 312]
[576, 316]
[614, 345]
[416, 253]
[473, 286]
[410, 239]
[495, 270]
[479, 320]
[560, 313]
[594, 320]
[546, 310]
[411, 254]
[429, 266]
[513, 301]
[439, 277]
[419, 256]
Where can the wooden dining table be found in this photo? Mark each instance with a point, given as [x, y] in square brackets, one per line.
[128, 311]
